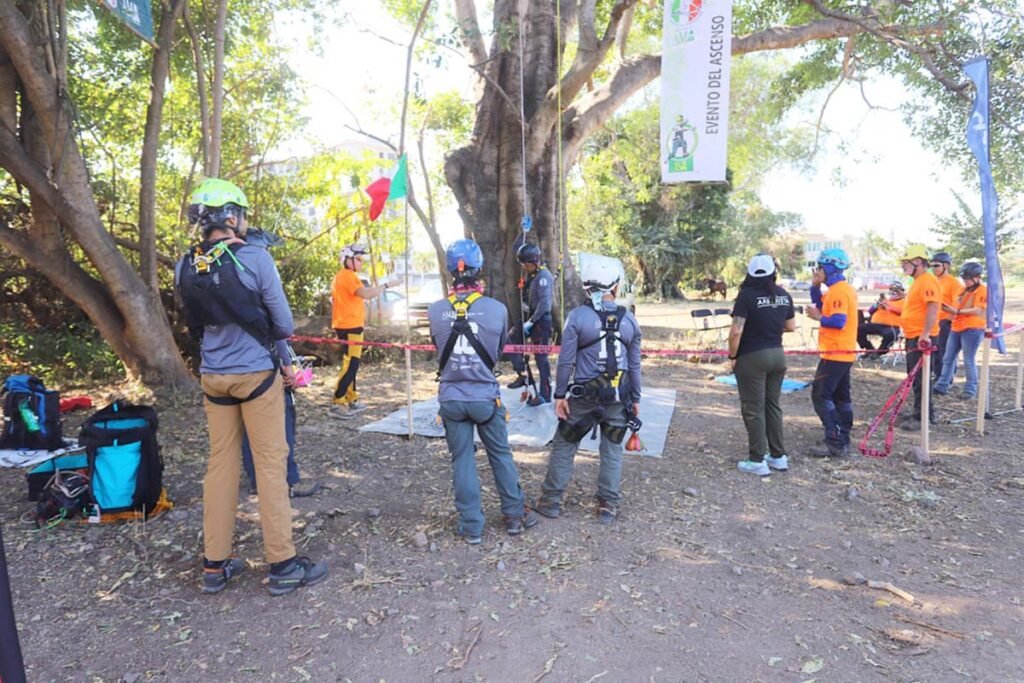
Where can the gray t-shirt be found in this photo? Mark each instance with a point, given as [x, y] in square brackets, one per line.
[582, 327]
[465, 377]
[230, 350]
[540, 294]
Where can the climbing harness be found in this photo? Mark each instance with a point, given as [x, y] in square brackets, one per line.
[462, 329]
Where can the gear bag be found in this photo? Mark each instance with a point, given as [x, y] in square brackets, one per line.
[31, 415]
[125, 465]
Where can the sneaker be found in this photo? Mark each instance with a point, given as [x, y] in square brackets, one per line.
[964, 396]
[216, 578]
[751, 467]
[472, 539]
[551, 510]
[340, 411]
[517, 383]
[356, 407]
[780, 463]
[516, 525]
[301, 571]
[303, 488]
[828, 451]
[535, 401]
[606, 513]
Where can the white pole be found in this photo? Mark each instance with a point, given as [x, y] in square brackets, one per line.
[986, 348]
[1020, 370]
[926, 399]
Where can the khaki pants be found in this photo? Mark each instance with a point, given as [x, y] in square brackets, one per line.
[263, 420]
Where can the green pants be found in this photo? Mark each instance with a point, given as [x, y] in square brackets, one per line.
[759, 378]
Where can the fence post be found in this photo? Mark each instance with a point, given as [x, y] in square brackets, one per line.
[986, 354]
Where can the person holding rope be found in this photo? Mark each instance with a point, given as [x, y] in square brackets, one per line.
[968, 329]
[597, 386]
[348, 317]
[236, 307]
[470, 330]
[949, 288]
[762, 312]
[837, 338]
[884, 321]
[920, 320]
[536, 291]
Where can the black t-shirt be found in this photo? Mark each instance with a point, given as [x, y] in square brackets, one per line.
[765, 315]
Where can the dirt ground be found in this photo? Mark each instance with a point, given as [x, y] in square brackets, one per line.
[709, 574]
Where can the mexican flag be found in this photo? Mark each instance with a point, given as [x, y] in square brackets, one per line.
[383, 190]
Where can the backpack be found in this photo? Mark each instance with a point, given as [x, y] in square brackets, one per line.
[31, 415]
[125, 465]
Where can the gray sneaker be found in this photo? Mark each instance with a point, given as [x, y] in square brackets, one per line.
[215, 579]
[303, 488]
[302, 571]
[339, 411]
[356, 407]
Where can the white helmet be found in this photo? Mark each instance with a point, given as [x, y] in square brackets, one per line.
[600, 274]
[354, 249]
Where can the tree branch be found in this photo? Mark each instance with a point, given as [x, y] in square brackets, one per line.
[469, 30]
[204, 103]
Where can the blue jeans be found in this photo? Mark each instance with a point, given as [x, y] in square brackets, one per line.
[968, 341]
[830, 395]
[460, 417]
[289, 434]
[540, 333]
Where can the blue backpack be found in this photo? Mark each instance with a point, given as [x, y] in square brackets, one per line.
[124, 462]
[31, 415]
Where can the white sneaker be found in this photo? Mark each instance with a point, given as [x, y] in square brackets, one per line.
[339, 411]
[356, 407]
[780, 463]
[751, 467]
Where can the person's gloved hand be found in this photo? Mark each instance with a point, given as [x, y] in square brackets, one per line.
[634, 424]
[527, 326]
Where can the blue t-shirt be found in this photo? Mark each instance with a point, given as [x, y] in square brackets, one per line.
[465, 377]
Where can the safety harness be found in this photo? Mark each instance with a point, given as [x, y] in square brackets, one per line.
[462, 328]
[605, 387]
[524, 288]
[213, 294]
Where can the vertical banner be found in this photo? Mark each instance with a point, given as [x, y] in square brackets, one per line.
[135, 14]
[696, 53]
[977, 140]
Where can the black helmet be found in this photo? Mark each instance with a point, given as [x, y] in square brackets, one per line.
[528, 253]
[971, 269]
[942, 257]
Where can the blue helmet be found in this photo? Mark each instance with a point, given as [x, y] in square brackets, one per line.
[528, 253]
[464, 258]
[834, 257]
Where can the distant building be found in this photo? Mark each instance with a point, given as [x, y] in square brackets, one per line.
[814, 244]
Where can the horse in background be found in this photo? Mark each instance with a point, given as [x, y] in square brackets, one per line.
[714, 286]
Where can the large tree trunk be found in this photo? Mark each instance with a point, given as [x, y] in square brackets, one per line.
[127, 313]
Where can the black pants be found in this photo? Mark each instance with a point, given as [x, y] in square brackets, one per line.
[345, 391]
[540, 334]
[944, 328]
[830, 395]
[913, 355]
[886, 332]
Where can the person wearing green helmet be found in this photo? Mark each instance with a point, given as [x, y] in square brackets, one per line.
[235, 306]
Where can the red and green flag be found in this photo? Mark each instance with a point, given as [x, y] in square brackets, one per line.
[383, 190]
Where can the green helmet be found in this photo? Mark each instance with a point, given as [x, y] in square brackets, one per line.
[214, 192]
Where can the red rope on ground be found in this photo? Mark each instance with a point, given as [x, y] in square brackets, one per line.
[894, 403]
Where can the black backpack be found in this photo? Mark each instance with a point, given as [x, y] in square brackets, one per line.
[31, 415]
[125, 465]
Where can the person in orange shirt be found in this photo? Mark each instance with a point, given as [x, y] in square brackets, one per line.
[348, 315]
[837, 341]
[949, 287]
[920, 320]
[968, 329]
[885, 321]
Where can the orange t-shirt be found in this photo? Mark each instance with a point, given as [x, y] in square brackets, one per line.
[840, 298]
[977, 298]
[347, 307]
[889, 316]
[923, 291]
[949, 289]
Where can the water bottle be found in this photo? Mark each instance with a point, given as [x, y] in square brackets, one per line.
[28, 417]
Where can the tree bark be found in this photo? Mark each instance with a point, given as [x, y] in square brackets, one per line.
[217, 96]
[151, 145]
[204, 102]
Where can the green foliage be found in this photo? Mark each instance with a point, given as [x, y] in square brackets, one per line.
[69, 354]
[964, 238]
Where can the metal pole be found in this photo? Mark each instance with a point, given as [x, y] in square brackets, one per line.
[986, 354]
[926, 399]
[1020, 370]
[12, 667]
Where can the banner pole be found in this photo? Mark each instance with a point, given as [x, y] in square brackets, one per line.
[926, 399]
[1020, 370]
[986, 354]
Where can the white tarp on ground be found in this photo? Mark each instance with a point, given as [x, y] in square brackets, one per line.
[24, 457]
[535, 427]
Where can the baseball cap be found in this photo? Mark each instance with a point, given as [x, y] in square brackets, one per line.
[761, 265]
